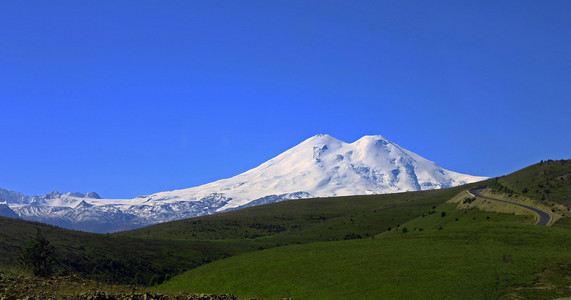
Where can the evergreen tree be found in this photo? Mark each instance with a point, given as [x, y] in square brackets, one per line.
[38, 255]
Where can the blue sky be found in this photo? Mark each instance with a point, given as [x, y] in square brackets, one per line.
[127, 98]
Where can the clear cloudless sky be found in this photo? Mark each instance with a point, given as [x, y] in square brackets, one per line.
[127, 98]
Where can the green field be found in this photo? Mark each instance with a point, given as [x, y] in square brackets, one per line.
[478, 262]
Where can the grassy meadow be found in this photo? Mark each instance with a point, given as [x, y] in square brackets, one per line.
[483, 261]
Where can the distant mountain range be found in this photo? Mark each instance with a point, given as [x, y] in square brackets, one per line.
[320, 166]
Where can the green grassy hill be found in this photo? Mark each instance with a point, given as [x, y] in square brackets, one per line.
[105, 257]
[548, 181]
[446, 252]
[305, 220]
[479, 261]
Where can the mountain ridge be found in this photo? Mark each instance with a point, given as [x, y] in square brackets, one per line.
[320, 166]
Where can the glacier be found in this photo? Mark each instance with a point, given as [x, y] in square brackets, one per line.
[321, 166]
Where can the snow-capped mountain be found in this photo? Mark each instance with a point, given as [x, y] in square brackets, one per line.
[320, 166]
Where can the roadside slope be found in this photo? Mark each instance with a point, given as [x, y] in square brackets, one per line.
[544, 217]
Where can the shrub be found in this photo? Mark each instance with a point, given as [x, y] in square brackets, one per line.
[500, 188]
[352, 236]
[157, 279]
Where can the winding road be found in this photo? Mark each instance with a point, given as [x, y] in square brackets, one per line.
[544, 217]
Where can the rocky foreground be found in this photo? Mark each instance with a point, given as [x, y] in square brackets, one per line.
[74, 287]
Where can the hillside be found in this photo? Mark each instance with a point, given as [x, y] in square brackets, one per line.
[548, 181]
[447, 251]
[305, 220]
[479, 261]
[105, 257]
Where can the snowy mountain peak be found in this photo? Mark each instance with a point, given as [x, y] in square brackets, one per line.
[371, 138]
[92, 195]
[320, 166]
[328, 141]
[322, 136]
[52, 195]
[320, 139]
[324, 166]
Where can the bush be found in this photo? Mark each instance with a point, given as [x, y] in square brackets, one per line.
[468, 200]
[352, 236]
[157, 279]
[38, 256]
[500, 188]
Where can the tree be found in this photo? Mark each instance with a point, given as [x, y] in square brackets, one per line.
[38, 255]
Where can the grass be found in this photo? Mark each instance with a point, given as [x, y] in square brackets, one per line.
[466, 201]
[451, 250]
[478, 261]
[106, 258]
[302, 221]
[548, 181]
[448, 216]
[446, 253]
[300, 218]
[555, 210]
